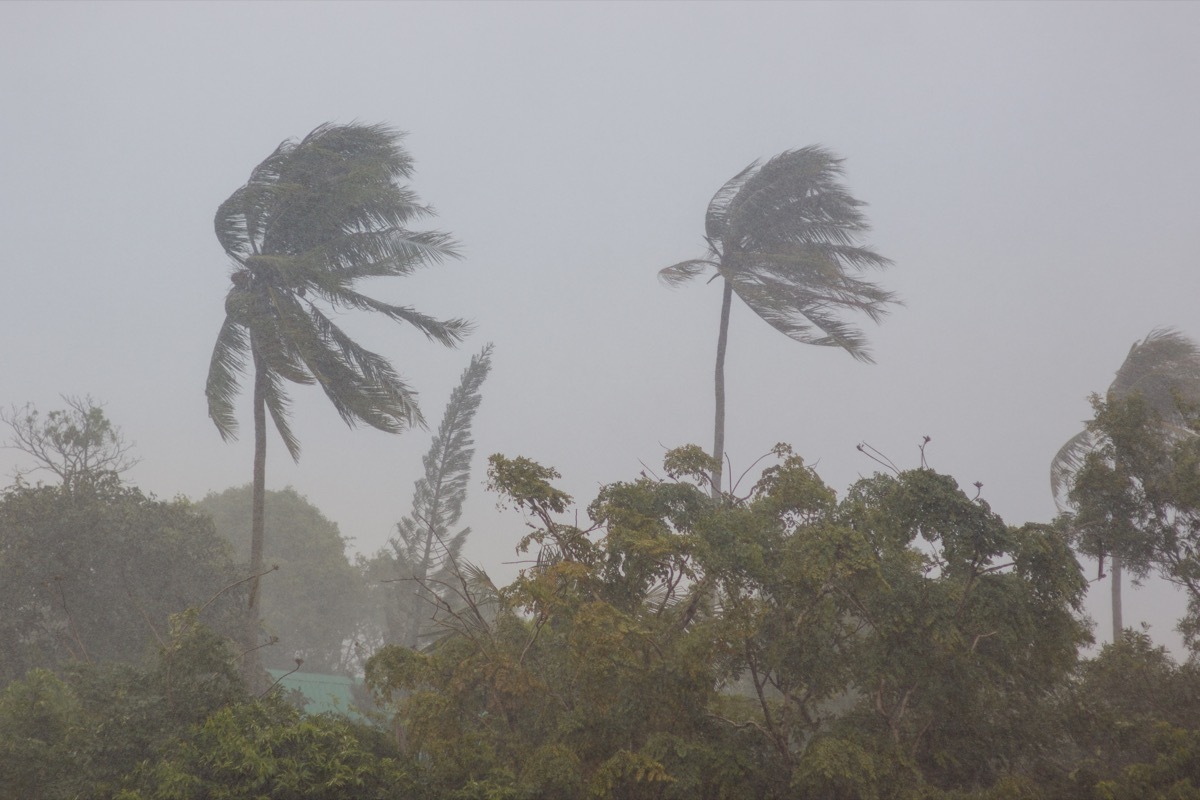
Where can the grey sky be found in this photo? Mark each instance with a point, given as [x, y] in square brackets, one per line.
[1030, 168]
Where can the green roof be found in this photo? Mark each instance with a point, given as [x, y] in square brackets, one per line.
[323, 693]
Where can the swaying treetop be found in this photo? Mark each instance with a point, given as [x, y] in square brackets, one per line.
[316, 217]
[785, 235]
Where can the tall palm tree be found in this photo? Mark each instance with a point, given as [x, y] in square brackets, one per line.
[1163, 368]
[784, 237]
[317, 216]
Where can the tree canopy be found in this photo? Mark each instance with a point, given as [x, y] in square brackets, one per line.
[315, 601]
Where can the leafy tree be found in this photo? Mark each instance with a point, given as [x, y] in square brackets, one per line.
[1138, 494]
[1163, 369]
[1120, 702]
[314, 601]
[316, 217]
[77, 444]
[422, 566]
[970, 633]
[777, 645]
[249, 751]
[83, 734]
[784, 236]
[1174, 773]
[94, 576]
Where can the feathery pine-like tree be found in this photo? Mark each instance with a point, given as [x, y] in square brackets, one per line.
[425, 551]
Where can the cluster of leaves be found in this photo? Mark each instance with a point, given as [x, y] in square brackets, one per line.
[779, 644]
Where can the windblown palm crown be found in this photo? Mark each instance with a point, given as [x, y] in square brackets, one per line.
[315, 217]
[784, 235]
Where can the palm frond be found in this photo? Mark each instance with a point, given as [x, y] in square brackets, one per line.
[384, 400]
[679, 274]
[1163, 366]
[448, 332]
[221, 388]
[382, 253]
[800, 309]
[716, 219]
[1066, 464]
[278, 405]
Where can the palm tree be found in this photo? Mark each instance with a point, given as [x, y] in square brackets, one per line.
[784, 237]
[1163, 368]
[317, 216]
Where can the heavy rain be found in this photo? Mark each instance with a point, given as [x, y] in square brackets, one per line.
[530, 400]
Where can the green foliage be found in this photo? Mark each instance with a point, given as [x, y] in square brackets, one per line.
[183, 727]
[83, 734]
[1174, 774]
[78, 444]
[1137, 495]
[315, 601]
[93, 576]
[526, 484]
[783, 643]
[1120, 702]
[1158, 381]
[35, 716]
[255, 750]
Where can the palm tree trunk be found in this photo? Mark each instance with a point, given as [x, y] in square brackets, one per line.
[1118, 625]
[719, 423]
[252, 660]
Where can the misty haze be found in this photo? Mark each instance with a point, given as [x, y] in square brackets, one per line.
[626, 400]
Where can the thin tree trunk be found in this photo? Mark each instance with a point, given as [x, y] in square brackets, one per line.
[412, 636]
[252, 660]
[719, 423]
[1118, 625]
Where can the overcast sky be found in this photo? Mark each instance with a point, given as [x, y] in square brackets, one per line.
[1031, 169]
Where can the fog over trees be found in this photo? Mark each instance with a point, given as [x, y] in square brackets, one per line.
[864, 589]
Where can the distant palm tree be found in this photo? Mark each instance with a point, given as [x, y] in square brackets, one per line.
[784, 237]
[317, 216]
[1162, 368]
